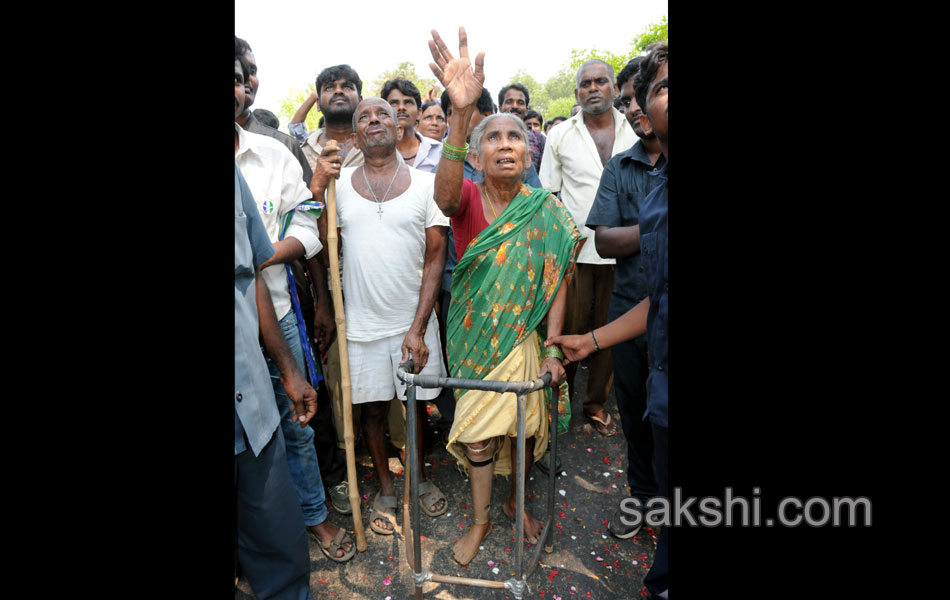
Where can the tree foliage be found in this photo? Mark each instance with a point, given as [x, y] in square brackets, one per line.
[551, 98]
[655, 32]
[292, 101]
[555, 96]
[405, 70]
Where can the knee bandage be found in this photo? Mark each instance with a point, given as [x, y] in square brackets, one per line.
[479, 457]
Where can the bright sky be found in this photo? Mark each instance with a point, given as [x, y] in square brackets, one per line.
[293, 40]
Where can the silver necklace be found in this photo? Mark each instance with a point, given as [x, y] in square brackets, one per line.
[379, 203]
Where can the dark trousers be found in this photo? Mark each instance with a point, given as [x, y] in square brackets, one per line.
[332, 460]
[270, 535]
[630, 387]
[591, 286]
[658, 579]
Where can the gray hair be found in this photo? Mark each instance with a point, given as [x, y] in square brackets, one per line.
[389, 109]
[577, 78]
[475, 143]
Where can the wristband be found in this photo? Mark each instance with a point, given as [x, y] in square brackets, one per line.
[596, 345]
[552, 352]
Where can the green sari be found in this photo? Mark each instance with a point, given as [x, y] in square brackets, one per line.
[505, 283]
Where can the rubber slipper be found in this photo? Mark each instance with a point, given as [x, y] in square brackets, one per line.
[337, 544]
[427, 488]
[384, 508]
[605, 427]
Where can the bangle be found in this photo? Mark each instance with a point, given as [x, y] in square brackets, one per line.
[451, 147]
[453, 153]
[552, 352]
[596, 345]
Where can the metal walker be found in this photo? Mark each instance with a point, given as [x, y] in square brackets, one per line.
[518, 584]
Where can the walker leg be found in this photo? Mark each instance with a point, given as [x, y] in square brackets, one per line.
[552, 473]
[412, 472]
[519, 490]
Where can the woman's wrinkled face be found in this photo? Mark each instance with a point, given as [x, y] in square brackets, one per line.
[504, 150]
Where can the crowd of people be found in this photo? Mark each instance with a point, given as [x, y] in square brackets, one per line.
[465, 231]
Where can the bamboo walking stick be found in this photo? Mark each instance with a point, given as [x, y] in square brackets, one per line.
[333, 248]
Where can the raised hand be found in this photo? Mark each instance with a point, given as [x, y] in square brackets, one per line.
[463, 84]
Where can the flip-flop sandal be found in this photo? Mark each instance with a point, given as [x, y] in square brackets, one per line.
[427, 488]
[384, 508]
[606, 427]
[337, 544]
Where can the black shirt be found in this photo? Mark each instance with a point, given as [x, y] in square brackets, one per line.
[624, 185]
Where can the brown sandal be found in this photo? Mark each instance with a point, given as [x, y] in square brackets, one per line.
[337, 544]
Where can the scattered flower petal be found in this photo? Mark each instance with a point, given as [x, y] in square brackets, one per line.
[562, 492]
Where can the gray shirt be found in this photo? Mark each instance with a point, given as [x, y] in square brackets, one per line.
[255, 408]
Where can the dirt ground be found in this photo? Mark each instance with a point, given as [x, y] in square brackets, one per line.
[587, 562]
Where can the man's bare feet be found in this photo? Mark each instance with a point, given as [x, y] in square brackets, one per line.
[467, 547]
[532, 526]
[325, 532]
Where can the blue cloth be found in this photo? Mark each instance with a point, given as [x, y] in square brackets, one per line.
[255, 412]
[624, 185]
[299, 133]
[657, 580]
[269, 535]
[654, 246]
[301, 451]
